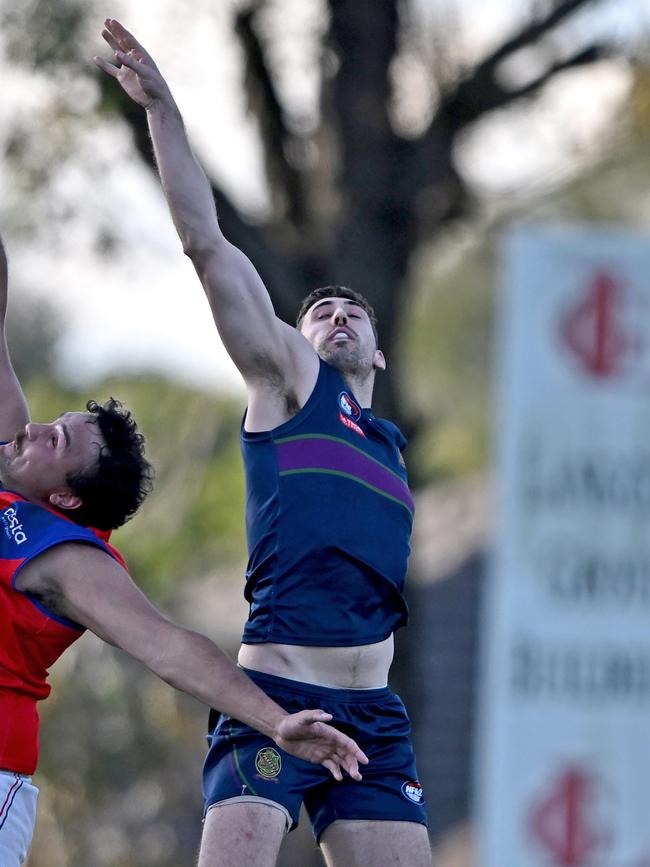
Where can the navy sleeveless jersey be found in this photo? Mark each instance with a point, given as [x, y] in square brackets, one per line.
[328, 518]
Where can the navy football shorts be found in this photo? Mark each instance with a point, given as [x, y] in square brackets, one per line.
[244, 765]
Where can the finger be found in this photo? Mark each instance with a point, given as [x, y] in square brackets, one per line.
[108, 36]
[309, 717]
[105, 66]
[352, 749]
[360, 756]
[126, 40]
[334, 769]
[353, 770]
[348, 746]
[129, 60]
[348, 761]
[117, 30]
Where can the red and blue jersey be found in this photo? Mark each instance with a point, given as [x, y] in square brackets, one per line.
[31, 637]
[329, 517]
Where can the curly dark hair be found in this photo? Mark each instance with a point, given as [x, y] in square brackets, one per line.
[113, 489]
[337, 292]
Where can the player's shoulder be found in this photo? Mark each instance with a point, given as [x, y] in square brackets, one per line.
[54, 564]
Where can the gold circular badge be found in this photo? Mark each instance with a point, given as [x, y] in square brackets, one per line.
[268, 762]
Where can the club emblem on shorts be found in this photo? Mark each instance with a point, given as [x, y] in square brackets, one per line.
[413, 791]
[349, 407]
[268, 763]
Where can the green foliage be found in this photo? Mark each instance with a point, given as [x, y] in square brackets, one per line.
[448, 356]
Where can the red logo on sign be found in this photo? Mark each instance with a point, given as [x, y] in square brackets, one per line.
[593, 331]
[565, 821]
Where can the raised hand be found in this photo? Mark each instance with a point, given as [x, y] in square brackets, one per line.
[307, 736]
[134, 68]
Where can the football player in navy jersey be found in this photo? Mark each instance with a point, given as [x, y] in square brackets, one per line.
[63, 487]
[329, 518]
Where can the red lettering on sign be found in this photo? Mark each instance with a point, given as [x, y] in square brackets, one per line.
[593, 332]
[564, 821]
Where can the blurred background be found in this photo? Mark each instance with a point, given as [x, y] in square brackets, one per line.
[384, 144]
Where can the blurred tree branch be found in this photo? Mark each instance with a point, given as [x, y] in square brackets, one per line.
[357, 209]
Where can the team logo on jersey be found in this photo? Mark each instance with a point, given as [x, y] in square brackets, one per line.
[12, 526]
[413, 791]
[349, 407]
[268, 763]
[349, 412]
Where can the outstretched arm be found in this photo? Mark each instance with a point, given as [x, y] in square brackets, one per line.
[266, 350]
[13, 406]
[87, 586]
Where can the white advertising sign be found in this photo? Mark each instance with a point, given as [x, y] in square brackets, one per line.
[563, 758]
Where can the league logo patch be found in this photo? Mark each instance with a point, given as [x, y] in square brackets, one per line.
[413, 791]
[349, 406]
[268, 763]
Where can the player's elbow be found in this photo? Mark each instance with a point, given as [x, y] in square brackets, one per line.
[197, 248]
[201, 244]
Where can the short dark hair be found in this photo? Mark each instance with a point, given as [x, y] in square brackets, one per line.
[113, 489]
[337, 292]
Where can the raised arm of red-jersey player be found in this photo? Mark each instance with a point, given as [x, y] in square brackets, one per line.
[87, 586]
[14, 413]
[266, 350]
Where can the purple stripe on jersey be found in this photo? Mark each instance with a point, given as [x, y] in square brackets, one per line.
[338, 457]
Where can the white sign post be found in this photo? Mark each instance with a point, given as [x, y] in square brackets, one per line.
[563, 758]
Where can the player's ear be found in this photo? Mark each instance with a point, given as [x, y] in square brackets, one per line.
[65, 499]
[378, 360]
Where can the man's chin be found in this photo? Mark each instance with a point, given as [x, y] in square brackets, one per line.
[343, 358]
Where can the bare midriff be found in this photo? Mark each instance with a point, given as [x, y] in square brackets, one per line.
[362, 667]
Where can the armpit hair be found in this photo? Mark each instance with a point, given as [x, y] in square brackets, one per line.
[292, 403]
[274, 377]
[50, 599]
[271, 372]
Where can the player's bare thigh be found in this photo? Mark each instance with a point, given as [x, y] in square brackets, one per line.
[241, 833]
[360, 843]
